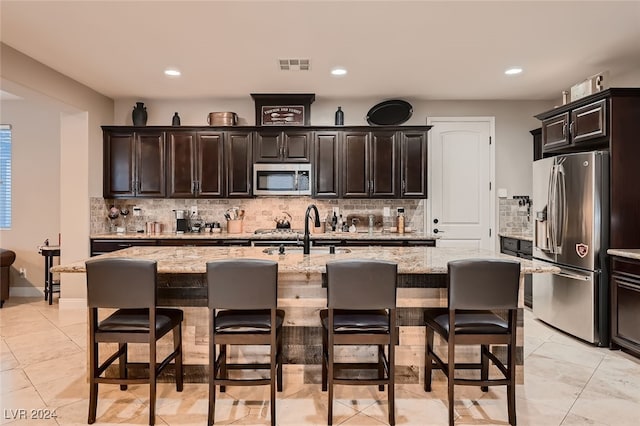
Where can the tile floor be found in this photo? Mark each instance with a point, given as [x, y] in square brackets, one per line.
[42, 371]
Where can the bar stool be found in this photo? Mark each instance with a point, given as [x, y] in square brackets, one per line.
[245, 291]
[476, 288]
[129, 285]
[361, 301]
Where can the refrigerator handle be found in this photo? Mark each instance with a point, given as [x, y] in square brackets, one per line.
[562, 208]
[551, 202]
[574, 276]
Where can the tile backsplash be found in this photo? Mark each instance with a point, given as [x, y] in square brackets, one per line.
[259, 212]
[514, 218]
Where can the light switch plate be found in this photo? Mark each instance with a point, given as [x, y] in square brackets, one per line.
[502, 193]
[386, 211]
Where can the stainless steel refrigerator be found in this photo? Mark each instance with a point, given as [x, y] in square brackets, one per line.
[571, 208]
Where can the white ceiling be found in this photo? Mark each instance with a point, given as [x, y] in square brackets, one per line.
[411, 49]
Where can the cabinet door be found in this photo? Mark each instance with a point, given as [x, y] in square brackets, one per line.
[210, 165]
[355, 165]
[119, 164]
[150, 162]
[555, 132]
[181, 167]
[384, 165]
[589, 122]
[325, 165]
[238, 164]
[413, 165]
[268, 146]
[296, 147]
[625, 303]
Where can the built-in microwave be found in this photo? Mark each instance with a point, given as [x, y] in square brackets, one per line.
[281, 179]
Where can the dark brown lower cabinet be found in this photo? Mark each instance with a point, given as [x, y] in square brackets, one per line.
[625, 304]
[524, 249]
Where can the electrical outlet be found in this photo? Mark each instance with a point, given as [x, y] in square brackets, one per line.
[336, 210]
[23, 272]
[194, 210]
[386, 211]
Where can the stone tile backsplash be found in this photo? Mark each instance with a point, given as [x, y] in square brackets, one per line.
[259, 212]
[514, 218]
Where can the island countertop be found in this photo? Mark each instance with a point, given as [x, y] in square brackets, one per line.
[411, 260]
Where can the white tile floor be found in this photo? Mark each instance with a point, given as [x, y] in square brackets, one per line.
[43, 358]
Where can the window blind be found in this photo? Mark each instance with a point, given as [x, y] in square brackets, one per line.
[5, 176]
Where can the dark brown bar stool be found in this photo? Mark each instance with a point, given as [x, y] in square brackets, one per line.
[245, 291]
[476, 289]
[361, 300]
[129, 285]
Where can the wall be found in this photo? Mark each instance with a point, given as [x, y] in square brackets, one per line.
[513, 121]
[35, 189]
[259, 212]
[81, 111]
[514, 217]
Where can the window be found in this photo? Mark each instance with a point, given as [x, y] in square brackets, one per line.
[5, 176]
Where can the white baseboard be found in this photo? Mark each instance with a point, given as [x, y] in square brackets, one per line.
[72, 303]
[26, 292]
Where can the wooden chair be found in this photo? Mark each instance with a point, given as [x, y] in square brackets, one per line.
[476, 289]
[245, 291]
[361, 300]
[129, 285]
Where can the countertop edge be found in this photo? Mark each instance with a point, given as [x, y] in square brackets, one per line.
[628, 253]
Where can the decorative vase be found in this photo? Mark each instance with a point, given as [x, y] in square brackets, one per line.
[176, 120]
[139, 114]
[339, 117]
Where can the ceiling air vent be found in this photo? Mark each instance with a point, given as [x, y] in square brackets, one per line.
[294, 64]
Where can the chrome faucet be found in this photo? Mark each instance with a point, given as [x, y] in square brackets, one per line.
[306, 241]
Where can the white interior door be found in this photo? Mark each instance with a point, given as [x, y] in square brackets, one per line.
[461, 174]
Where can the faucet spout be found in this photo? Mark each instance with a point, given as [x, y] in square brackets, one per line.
[306, 248]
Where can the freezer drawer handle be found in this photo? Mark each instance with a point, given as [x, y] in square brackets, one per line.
[574, 276]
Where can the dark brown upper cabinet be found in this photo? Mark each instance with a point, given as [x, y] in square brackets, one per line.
[326, 169]
[134, 164]
[581, 125]
[239, 164]
[369, 164]
[195, 166]
[413, 165]
[289, 146]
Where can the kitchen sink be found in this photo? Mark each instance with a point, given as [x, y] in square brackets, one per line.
[299, 250]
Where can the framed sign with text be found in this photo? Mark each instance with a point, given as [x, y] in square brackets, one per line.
[291, 115]
[283, 109]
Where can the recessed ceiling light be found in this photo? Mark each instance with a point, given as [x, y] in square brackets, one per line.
[513, 71]
[338, 71]
[172, 72]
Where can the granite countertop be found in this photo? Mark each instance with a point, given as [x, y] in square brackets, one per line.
[628, 253]
[411, 260]
[527, 236]
[268, 236]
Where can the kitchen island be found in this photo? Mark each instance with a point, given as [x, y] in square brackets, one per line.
[302, 294]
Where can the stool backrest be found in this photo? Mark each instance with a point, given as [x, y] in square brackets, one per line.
[483, 284]
[242, 284]
[121, 283]
[361, 284]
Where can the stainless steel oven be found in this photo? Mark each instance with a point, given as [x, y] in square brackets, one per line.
[281, 179]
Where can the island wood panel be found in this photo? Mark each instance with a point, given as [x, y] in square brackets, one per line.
[302, 296]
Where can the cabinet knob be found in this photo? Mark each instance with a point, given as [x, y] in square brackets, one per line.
[436, 230]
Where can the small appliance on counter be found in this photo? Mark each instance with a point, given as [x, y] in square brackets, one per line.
[182, 224]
